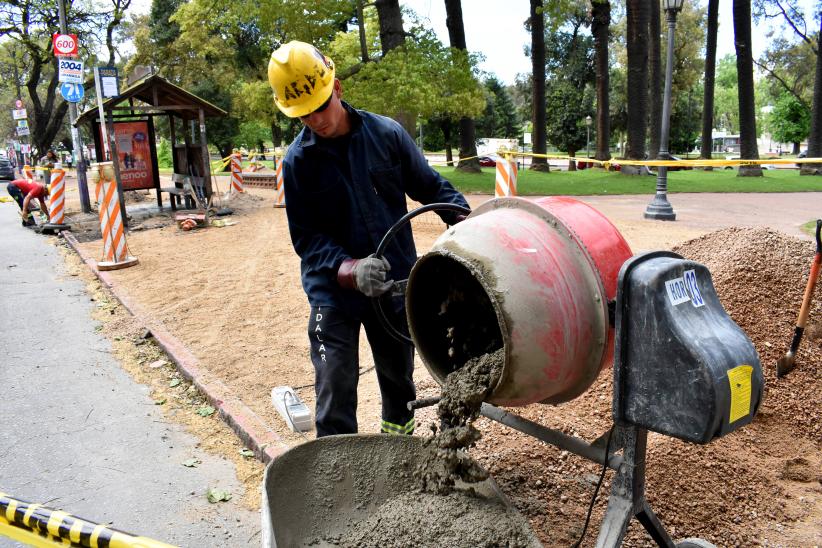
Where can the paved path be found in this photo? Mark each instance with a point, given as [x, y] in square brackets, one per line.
[78, 433]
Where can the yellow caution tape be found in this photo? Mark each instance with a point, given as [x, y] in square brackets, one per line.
[43, 527]
[608, 164]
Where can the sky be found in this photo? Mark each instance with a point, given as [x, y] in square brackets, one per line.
[500, 36]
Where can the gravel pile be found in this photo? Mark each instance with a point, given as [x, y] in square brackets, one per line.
[761, 485]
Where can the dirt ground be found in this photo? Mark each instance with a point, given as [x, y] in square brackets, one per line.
[233, 296]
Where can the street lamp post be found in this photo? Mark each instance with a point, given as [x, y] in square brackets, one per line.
[588, 136]
[659, 208]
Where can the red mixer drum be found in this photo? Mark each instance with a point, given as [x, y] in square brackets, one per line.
[531, 276]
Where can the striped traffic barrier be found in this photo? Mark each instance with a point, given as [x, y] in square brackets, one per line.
[57, 202]
[28, 172]
[506, 182]
[37, 525]
[279, 200]
[236, 173]
[115, 248]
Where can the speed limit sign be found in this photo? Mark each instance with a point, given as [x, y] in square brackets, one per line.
[64, 44]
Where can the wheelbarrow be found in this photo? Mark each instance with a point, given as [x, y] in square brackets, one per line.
[323, 491]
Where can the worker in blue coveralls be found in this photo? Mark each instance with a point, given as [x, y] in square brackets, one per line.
[346, 177]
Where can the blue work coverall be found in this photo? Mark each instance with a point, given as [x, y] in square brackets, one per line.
[342, 195]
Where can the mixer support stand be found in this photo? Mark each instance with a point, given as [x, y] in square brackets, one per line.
[627, 497]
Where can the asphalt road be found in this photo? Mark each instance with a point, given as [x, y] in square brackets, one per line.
[78, 433]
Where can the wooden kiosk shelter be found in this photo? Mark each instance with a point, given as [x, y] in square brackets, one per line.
[129, 120]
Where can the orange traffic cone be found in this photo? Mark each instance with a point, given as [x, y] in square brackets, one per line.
[279, 200]
[236, 173]
[57, 202]
[506, 183]
[115, 248]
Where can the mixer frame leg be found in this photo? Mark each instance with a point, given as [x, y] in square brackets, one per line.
[627, 497]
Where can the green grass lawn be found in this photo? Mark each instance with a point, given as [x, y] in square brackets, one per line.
[599, 182]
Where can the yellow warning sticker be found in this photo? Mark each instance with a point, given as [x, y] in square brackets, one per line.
[740, 379]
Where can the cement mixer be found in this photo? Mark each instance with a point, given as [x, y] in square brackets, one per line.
[552, 283]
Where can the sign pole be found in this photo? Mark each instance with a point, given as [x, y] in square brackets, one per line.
[76, 139]
[109, 137]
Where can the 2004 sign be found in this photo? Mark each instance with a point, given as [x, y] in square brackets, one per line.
[70, 71]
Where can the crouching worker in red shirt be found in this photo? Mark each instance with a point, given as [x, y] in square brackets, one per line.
[23, 190]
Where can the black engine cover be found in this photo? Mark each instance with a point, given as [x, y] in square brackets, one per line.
[682, 366]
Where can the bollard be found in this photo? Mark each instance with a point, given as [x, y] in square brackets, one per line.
[57, 203]
[506, 183]
[236, 173]
[279, 200]
[115, 248]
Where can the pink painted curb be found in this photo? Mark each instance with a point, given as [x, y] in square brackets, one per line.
[257, 436]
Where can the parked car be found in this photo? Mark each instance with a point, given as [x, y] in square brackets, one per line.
[487, 161]
[6, 171]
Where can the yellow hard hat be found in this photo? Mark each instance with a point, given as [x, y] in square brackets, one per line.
[302, 78]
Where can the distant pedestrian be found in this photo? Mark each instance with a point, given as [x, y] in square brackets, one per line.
[49, 159]
[23, 191]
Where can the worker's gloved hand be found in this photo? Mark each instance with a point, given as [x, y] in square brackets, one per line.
[367, 276]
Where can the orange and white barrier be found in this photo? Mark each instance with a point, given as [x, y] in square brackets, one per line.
[57, 199]
[236, 173]
[28, 172]
[115, 249]
[279, 200]
[506, 183]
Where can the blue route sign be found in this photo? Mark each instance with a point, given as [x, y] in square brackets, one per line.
[73, 93]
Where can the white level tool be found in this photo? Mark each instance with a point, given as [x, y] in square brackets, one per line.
[295, 413]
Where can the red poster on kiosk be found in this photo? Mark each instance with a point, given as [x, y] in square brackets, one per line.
[134, 154]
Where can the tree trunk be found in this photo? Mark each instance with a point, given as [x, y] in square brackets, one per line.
[361, 24]
[707, 146]
[601, 19]
[540, 138]
[638, 13]
[392, 36]
[655, 76]
[468, 139]
[815, 137]
[446, 134]
[744, 68]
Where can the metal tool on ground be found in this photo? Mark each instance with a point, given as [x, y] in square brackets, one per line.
[552, 284]
[293, 411]
[786, 363]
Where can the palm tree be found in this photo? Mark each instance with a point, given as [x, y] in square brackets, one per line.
[392, 35]
[710, 72]
[638, 14]
[744, 69]
[655, 76]
[537, 24]
[600, 20]
[456, 34]
[815, 137]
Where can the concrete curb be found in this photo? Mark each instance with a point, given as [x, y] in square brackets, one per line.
[257, 436]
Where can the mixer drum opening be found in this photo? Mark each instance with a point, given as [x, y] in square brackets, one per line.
[450, 315]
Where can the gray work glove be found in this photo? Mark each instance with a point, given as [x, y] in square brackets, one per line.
[367, 275]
